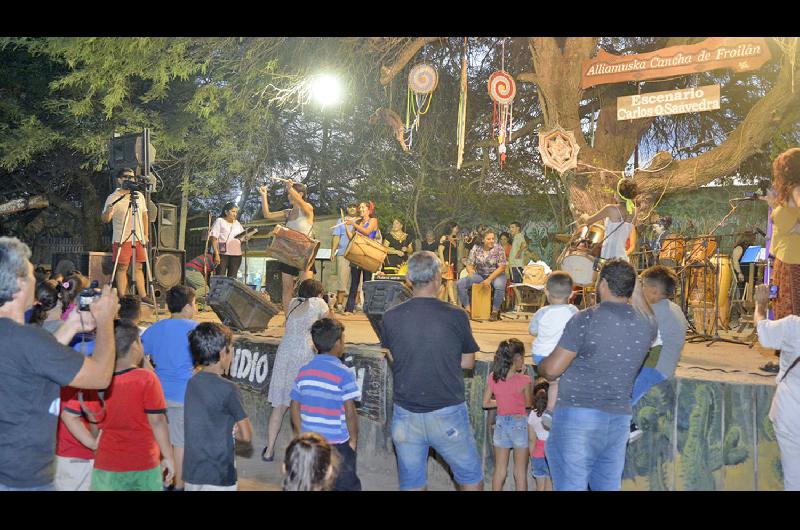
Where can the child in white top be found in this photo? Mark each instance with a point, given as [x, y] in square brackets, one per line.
[537, 436]
[547, 325]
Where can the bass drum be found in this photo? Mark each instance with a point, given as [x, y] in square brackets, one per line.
[365, 253]
[578, 259]
[580, 265]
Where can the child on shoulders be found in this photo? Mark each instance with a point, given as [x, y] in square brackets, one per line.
[547, 325]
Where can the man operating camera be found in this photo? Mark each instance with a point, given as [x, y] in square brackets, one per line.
[117, 209]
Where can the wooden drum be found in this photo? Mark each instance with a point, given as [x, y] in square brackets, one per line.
[481, 303]
[293, 248]
[671, 253]
[365, 253]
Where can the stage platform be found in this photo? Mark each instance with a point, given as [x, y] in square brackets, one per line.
[721, 361]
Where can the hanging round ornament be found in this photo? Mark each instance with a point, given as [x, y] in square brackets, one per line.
[502, 87]
[422, 81]
[502, 90]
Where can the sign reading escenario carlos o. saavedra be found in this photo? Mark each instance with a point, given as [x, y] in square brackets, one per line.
[696, 99]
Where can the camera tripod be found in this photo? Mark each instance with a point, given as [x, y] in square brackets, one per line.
[134, 237]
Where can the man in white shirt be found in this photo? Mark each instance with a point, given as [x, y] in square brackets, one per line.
[122, 240]
[783, 334]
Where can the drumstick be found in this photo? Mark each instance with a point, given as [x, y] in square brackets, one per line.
[286, 181]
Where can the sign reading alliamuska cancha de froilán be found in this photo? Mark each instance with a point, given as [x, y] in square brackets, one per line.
[696, 99]
[738, 53]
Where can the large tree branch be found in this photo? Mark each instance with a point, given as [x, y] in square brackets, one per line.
[389, 72]
[622, 136]
[778, 110]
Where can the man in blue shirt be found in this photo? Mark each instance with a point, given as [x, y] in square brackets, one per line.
[338, 246]
[323, 400]
[167, 344]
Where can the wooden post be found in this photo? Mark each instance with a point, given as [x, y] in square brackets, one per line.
[184, 211]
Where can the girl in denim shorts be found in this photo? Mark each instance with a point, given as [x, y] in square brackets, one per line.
[512, 395]
[537, 436]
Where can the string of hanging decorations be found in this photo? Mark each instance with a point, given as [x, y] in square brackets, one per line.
[462, 108]
[422, 81]
[502, 90]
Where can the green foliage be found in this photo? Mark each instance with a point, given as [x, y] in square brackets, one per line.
[225, 113]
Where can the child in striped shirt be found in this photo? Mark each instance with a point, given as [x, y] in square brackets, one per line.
[323, 400]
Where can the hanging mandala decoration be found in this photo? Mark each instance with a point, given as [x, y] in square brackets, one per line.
[559, 149]
[502, 90]
[422, 81]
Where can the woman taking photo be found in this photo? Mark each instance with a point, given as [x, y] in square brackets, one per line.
[366, 225]
[784, 199]
[294, 351]
[227, 249]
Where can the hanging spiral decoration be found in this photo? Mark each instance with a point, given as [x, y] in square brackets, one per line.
[502, 87]
[423, 79]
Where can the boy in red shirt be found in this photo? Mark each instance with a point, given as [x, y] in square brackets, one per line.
[77, 438]
[134, 429]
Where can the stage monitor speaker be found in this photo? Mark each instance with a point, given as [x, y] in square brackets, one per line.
[380, 296]
[167, 226]
[168, 271]
[238, 306]
[93, 265]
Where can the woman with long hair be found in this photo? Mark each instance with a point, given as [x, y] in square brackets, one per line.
[294, 351]
[226, 248]
[399, 244]
[784, 199]
[310, 464]
[366, 225]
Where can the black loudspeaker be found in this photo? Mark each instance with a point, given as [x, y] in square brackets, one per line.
[128, 152]
[238, 306]
[380, 296]
[273, 281]
[167, 226]
[93, 265]
[168, 271]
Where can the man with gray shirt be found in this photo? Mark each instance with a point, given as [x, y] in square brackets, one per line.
[658, 284]
[600, 355]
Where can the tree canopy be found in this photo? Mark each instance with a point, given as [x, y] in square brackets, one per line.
[225, 114]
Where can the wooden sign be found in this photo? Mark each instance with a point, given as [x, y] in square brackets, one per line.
[559, 149]
[739, 53]
[696, 99]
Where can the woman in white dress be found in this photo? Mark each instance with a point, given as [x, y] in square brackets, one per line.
[619, 222]
[294, 351]
[227, 249]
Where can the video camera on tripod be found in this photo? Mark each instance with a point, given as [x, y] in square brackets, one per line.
[138, 183]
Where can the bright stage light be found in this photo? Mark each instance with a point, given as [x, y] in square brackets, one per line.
[326, 90]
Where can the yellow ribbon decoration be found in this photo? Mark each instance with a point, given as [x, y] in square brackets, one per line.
[629, 204]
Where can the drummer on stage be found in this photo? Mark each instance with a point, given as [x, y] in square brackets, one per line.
[367, 226]
[486, 265]
[299, 217]
[660, 228]
[618, 220]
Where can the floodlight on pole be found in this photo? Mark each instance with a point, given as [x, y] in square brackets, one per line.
[326, 90]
